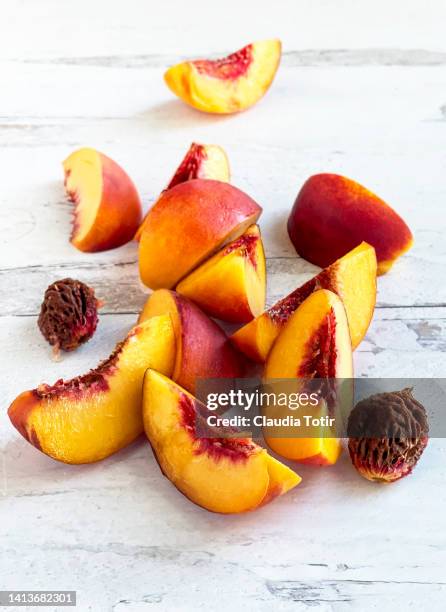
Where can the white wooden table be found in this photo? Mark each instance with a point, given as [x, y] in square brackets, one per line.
[361, 91]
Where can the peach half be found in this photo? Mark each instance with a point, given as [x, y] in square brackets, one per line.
[188, 224]
[332, 214]
[227, 85]
[220, 474]
[352, 277]
[231, 285]
[201, 161]
[314, 344]
[107, 209]
[202, 348]
[92, 416]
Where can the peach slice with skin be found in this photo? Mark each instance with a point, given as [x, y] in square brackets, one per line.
[107, 206]
[188, 224]
[231, 285]
[332, 214]
[202, 348]
[201, 161]
[227, 85]
[226, 474]
[314, 344]
[92, 416]
[352, 277]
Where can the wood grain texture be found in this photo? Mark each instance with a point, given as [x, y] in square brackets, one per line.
[362, 92]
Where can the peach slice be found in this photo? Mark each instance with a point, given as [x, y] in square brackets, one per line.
[107, 206]
[201, 161]
[231, 285]
[202, 348]
[226, 475]
[333, 214]
[227, 85]
[189, 223]
[92, 416]
[314, 343]
[352, 277]
[317, 449]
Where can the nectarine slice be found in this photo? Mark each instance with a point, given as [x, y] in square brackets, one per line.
[202, 348]
[333, 214]
[316, 449]
[201, 161]
[352, 277]
[231, 285]
[314, 343]
[226, 475]
[227, 85]
[92, 416]
[107, 209]
[189, 223]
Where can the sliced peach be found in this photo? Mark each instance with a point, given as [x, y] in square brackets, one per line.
[189, 223]
[92, 416]
[352, 277]
[231, 285]
[316, 449]
[226, 475]
[333, 214]
[227, 85]
[314, 343]
[201, 161]
[202, 348]
[107, 206]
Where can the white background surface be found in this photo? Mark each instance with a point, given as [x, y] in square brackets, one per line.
[361, 91]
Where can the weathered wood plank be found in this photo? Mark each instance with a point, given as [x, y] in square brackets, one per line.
[118, 284]
[413, 345]
[47, 29]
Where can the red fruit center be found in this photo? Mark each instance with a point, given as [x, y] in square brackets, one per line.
[231, 67]
[321, 351]
[281, 312]
[76, 388]
[93, 382]
[190, 165]
[247, 245]
[232, 448]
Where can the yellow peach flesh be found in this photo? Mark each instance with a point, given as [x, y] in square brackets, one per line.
[88, 422]
[207, 92]
[84, 183]
[200, 468]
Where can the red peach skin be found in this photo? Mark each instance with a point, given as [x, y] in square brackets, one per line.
[333, 214]
[107, 206]
[189, 223]
[201, 161]
[202, 348]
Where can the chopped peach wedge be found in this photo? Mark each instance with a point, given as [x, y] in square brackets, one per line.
[231, 285]
[188, 224]
[314, 344]
[352, 277]
[107, 206]
[92, 416]
[227, 475]
[202, 348]
[227, 85]
[332, 214]
[200, 162]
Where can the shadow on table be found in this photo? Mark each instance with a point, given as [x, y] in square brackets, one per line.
[177, 114]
